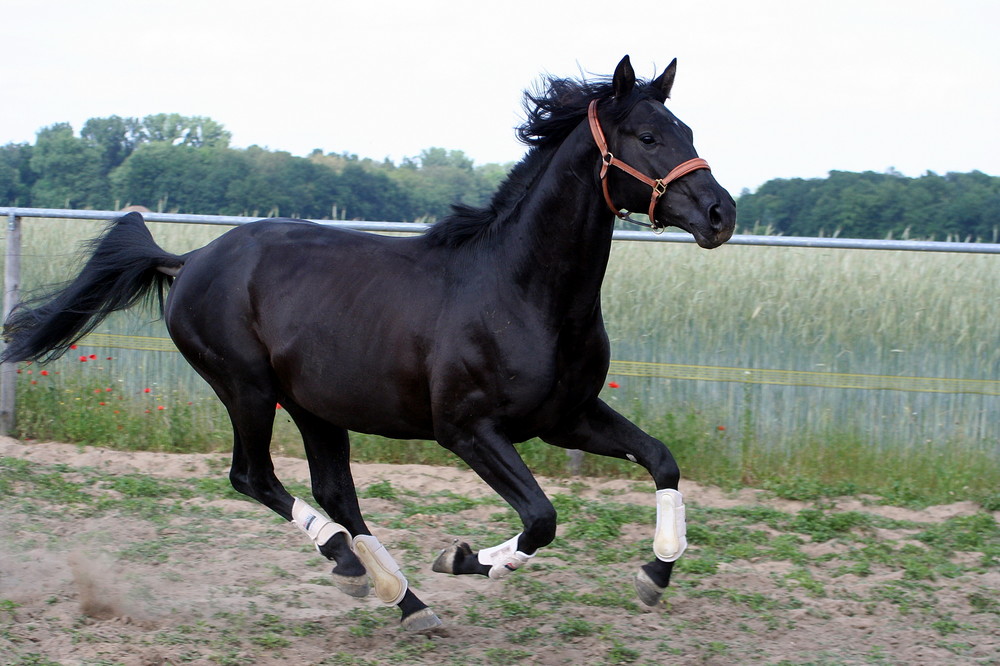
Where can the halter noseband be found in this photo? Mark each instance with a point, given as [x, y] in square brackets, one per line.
[659, 185]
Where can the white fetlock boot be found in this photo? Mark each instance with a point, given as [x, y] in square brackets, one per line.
[504, 559]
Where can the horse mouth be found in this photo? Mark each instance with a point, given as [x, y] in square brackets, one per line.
[715, 241]
[708, 242]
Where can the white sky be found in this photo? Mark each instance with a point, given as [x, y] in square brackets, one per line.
[772, 88]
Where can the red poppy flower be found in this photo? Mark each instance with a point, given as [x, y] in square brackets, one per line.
[614, 385]
[147, 390]
[72, 346]
[83, 359]
[93, 356]
[44, 373]
[721, 428]
[161, 407]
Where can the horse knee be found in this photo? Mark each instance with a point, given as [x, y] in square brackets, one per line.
[670, 475]
[540, 530]
[664, 469]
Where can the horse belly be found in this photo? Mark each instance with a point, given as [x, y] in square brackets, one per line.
[358, 361]
[385, 398]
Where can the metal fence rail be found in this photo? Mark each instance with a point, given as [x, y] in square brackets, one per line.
[12, 266]
[621, 235]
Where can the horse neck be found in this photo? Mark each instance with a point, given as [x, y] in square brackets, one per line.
[558, 253]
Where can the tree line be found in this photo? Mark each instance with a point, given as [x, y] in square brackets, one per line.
[184, 164]
[956, 206]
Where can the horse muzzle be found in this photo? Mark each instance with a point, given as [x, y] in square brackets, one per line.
[711, 225]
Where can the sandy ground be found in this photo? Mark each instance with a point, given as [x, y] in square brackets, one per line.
[233, 584]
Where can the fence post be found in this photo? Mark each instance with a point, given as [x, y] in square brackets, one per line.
[11, 294]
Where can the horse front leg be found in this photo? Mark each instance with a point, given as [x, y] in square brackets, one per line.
[496, 461]
[603, 431]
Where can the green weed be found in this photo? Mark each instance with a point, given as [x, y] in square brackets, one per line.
[576, 627]
[33, 659]
[982, 603]
[366, 622]
[382, 490]
[270, 641]
[621, 654]
[505, 656]
[822, 525]
[978, 532]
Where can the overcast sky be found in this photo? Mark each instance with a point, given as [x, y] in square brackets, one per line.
[772, 88]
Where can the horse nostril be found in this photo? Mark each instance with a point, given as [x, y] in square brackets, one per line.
[715, 217]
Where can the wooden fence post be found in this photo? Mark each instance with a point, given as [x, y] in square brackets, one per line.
[11, 294]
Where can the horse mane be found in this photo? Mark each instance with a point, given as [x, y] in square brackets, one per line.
[553, 111]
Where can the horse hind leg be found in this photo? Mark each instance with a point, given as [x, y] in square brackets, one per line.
[252, 473]
[328, 452]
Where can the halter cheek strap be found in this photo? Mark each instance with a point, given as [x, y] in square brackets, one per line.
[659, 185]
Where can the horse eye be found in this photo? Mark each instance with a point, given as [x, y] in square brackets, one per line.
[647, 139]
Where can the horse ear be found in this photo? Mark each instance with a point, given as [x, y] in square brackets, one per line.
[662, 85]
[624, 79]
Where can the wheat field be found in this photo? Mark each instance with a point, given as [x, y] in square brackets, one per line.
[894, 313]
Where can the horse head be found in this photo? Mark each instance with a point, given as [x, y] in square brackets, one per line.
[649, 162]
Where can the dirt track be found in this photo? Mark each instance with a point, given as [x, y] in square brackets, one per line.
[142, 558]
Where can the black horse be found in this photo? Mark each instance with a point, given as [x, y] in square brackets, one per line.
[483, 332]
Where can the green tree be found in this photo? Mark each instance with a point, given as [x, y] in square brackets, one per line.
[439, 178]
[179, 178]
[361, 194]
[876, 205]
[278, 183]
[16, 176]
[114, 137]
[68, 170]
[194, 131]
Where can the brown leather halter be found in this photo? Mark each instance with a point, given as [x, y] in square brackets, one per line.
[659, 185]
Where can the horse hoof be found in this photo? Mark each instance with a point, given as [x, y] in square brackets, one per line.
[423, 620]
[648, 591]
[447, 558]
[356, 586]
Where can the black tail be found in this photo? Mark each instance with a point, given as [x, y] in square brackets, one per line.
[122, 270]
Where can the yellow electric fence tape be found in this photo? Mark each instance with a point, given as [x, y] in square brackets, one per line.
[678, 371]
[803, 378]
[140, 342]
